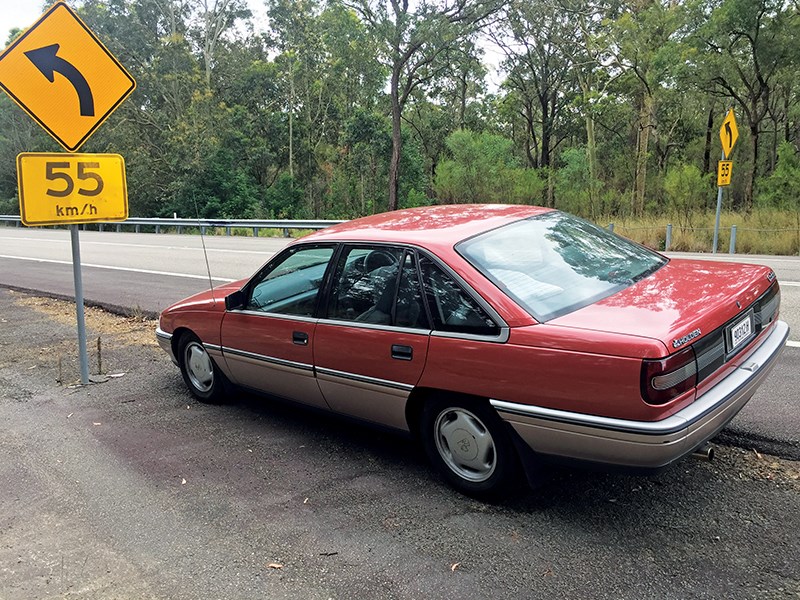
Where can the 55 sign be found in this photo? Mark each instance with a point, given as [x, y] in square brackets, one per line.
[57, 189]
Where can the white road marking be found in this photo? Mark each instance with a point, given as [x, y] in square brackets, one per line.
[789, 283]
[148, 272]
[793, 344]
[85, 242]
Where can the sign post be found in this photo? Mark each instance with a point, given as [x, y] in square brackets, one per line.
[60, 73]
[728, 134]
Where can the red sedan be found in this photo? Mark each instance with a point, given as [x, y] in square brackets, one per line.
[500, 336]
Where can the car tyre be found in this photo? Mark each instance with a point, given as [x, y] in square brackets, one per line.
[470, 446]
[201, 375]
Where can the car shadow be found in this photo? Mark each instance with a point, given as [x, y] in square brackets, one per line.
[395, 456]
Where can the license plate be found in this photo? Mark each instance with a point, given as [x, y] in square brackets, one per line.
[740, 332]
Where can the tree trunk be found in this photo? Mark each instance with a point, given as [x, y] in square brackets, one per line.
[397, 141]
[751, 176]
[591, 155]
[645, 123]
[709, 137]
[291, 124]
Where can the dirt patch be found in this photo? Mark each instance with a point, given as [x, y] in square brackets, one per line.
[766, 467]
[113, 329]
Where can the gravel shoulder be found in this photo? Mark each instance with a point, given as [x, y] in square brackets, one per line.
[127, 488]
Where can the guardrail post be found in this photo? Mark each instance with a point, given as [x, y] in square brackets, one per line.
[668, 242]
[255, 231]
[100, 227]
[138, 228]
[611, 227]
[158, 228]
[227, 231]
[732, 248]
[180, 229]
[119, 227]
[202, 230]
[285, 232]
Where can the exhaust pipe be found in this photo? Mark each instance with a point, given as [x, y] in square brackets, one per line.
[704, 452]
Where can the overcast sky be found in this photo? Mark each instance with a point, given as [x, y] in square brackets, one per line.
[17, 13]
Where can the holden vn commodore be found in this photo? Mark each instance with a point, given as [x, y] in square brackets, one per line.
[499, 336]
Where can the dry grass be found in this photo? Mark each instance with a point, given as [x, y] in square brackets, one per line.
[113, 329]
[759, 232]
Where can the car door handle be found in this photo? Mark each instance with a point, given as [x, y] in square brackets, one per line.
[300, 338]
[402, 352]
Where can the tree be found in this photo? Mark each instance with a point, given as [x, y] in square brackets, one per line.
[746, 44]
[483, 169]
[643, 41]
[412, 38]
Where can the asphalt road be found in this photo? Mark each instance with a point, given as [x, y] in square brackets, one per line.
[129, 489]
[144, 273]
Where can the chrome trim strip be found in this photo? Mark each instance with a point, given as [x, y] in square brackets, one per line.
[727, 390]
[160, 333]
[365, 379]
[267, 359]
[258, 313]
[501, 338]
[212, 346]
[360, 325]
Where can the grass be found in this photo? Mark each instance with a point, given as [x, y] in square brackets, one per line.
[761, 231]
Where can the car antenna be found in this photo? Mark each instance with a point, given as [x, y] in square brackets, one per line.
[205, 252]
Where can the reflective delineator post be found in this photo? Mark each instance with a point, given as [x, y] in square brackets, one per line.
[76, 273]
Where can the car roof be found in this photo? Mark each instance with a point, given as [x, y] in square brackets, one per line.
[428, 226]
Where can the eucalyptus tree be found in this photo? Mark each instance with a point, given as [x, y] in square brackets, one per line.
[538, 70]
[213, 19]
[327, 66]
[539, 75]
[643, 41]
[746, 44]
[583, 44]
[412, 36]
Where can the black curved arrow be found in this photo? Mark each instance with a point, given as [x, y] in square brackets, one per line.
[729, 131]
[46, 60]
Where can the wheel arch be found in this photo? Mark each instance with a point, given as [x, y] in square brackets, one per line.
[177, 335]
[530, 462]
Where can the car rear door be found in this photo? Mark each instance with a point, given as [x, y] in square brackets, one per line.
[371, 345]
[268, 341]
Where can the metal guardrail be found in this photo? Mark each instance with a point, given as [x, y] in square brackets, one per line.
[203, 224]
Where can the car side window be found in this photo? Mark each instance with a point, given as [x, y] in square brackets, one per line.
[291, 287]
[452, 309]
[377, 285]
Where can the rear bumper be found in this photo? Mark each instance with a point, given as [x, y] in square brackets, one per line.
[645, 444]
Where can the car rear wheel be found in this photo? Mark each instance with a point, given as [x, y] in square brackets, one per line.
[203, 378]
[470, 446]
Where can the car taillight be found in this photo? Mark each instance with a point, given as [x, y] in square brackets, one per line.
[667, 378]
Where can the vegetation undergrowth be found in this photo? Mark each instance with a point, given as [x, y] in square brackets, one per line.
[761, 231]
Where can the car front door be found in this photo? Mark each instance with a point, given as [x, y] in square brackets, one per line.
[268, 338]
[371, 345]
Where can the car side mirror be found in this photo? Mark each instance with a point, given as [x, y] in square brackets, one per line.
[235, 300]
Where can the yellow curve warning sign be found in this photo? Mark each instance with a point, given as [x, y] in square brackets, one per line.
[63, 76]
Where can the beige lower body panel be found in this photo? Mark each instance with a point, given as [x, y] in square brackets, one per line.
[286, 381]
[646, 444]
[364, 400]
[618, 447]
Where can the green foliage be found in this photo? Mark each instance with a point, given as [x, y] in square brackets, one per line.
[606, 107]
[483, 168]
[687, 191]
[782, 188]
[284, 199]
[573, 182]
